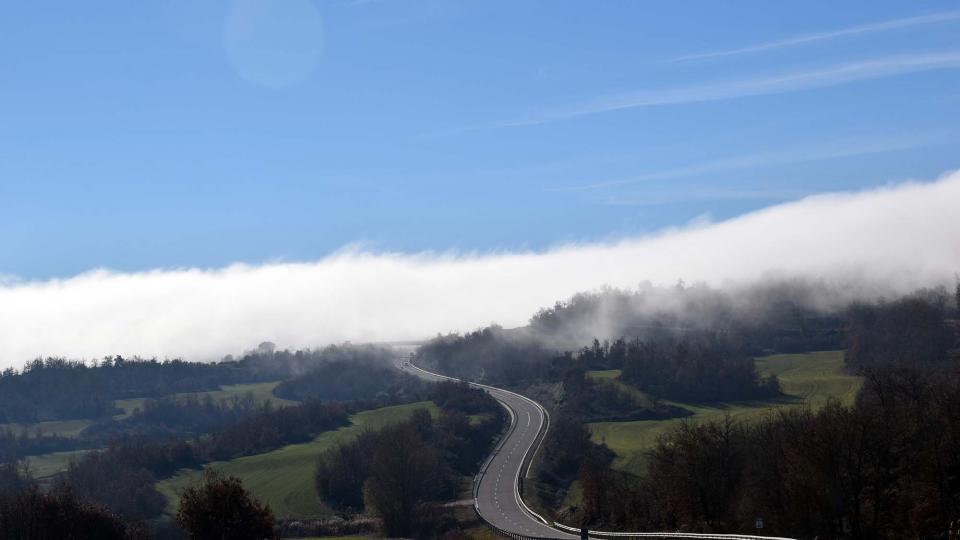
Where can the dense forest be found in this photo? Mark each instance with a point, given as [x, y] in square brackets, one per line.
[698, 366]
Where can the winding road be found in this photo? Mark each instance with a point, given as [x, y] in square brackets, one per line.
[496, 496]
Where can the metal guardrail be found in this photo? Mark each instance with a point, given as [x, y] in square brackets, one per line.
[508, 534]
[668, 535]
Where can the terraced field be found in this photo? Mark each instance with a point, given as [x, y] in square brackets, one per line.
[808, 379]
[283, 478]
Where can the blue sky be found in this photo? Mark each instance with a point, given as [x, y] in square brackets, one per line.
[143, 135]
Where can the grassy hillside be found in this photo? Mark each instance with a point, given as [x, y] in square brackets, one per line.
[807, 379]
[46, 465]
[262, 392]
[283, 478]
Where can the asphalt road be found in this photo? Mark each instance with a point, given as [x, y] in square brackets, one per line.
[496, 493]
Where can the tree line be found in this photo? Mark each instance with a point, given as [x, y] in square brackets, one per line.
[122, 476]
[62, 389]
[697, 366]
[886, 467]
[366, 375]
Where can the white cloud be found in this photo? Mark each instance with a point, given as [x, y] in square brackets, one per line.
[903, 236]
[894, 24]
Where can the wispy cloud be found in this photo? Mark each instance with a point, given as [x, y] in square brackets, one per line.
[902, 237]
[354, 3]
[775, 84]
[834, 150]
[704, 194]
[871, 28]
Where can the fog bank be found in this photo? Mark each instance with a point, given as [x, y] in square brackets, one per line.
[880, 241]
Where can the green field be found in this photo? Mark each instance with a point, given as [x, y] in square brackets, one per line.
[262, 392]
[807, 379]
[47, 465]
[63, 428]
[283, 478]
[609, 376]
[335, 537]
[604, 374]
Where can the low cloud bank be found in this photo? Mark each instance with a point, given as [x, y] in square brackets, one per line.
[885, 241]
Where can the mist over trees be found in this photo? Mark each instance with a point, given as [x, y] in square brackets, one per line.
[725, 326]
[782, 315]
[884, 467]
[491, 354]
[367, 376]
